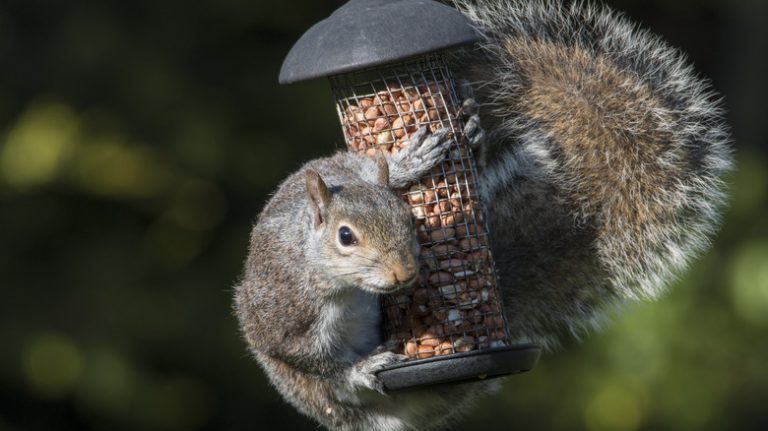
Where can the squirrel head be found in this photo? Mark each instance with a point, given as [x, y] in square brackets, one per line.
[362, 233]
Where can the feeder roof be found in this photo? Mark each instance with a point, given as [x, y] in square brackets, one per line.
[366, 33]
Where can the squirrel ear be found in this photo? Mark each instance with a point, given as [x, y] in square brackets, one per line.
[319, 195]
[383, 177]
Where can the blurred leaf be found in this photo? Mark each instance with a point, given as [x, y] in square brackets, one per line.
[52, 364]
[36, 147]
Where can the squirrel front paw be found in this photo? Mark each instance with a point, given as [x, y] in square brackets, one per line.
[423, 152]
[363, 373]
[473, 132]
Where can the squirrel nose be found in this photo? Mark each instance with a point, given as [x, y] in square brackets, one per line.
[404, 272]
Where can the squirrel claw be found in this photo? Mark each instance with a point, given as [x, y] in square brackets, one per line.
[429, 149]
[364, 372]
[469, 107]
[473, 131]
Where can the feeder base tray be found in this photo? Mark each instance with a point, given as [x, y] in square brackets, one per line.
[460, 367]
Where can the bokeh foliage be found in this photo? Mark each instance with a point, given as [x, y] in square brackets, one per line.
[139, 139]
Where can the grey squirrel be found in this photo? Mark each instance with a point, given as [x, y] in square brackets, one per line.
[601, 168]
[329, 243]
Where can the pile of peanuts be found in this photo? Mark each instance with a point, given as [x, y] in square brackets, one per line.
[455, 308]
[385, 121]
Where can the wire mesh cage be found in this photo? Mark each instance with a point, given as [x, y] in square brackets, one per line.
[388, 86]
[456, 306]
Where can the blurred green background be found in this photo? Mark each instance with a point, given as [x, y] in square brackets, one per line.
[139, 139]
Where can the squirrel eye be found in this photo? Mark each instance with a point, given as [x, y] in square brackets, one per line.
[346, 237]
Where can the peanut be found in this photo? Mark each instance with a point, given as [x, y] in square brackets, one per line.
[389, 108]
[452, 264]
[442, 234]
[445, 348]
[385, 139]
[366, 103]
[372, 113]
[478, 256]
[416, 194]
[412, 94]
[426, 352]
[440, 278]
[380, 124]
[443, 250]
[403, 105]
[478, 282]
[418, 212]
[450, 291]
[450, 220]
[433, 222]
[411, 348]
[468, 244]
[395, 89]
[464, 344]
[431, 337]
[398, 127]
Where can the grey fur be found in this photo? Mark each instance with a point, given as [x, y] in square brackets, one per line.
[587, 216]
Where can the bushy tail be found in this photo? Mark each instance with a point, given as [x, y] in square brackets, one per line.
[605, 159]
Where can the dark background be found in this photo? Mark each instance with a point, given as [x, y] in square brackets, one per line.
[139, 139]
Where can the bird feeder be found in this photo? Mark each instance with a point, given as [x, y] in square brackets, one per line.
[385, 62]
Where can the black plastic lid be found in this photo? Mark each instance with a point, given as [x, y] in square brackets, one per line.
[365, 33]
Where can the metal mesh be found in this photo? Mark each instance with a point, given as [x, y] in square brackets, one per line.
[456, 306]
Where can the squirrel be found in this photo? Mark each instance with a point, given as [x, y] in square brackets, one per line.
[333, 239]
[600, 162]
